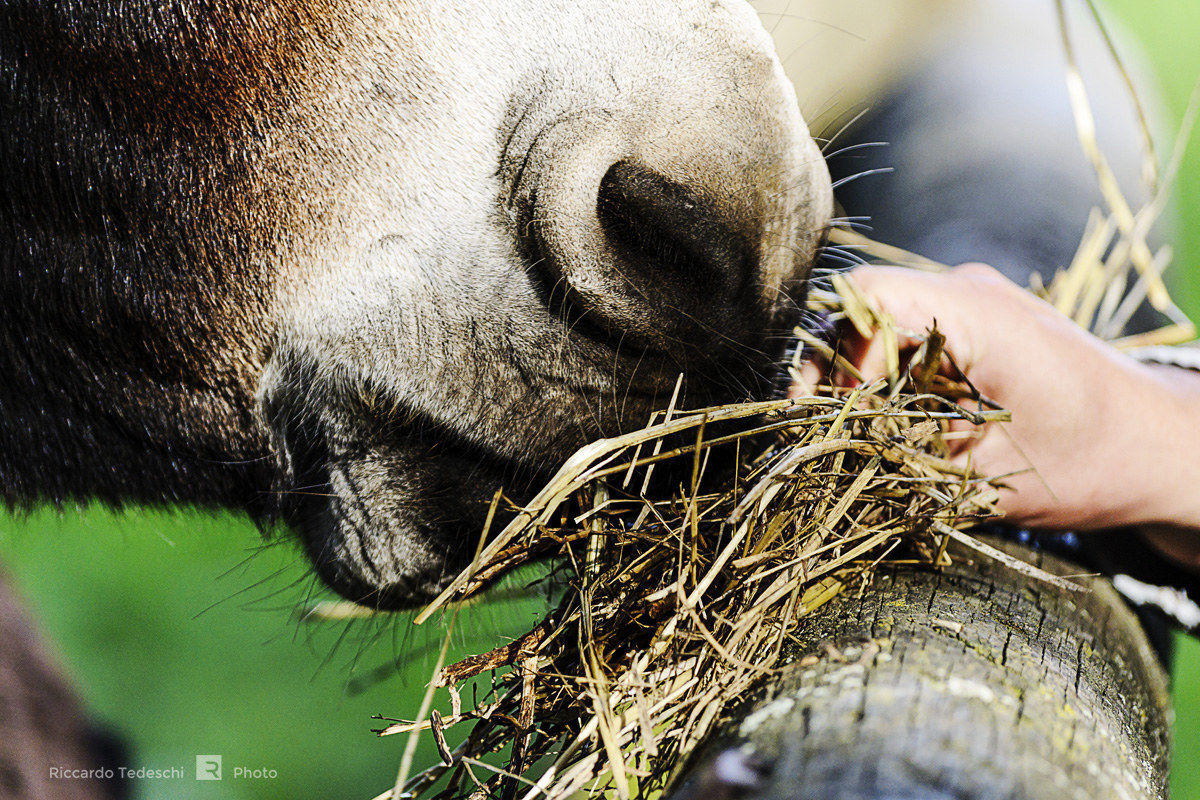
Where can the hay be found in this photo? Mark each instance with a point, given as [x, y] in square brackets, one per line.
[677, 606]
[674, 604]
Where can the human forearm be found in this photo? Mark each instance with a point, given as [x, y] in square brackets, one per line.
[1169, 474]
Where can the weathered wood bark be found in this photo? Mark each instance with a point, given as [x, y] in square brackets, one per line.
[972, 682]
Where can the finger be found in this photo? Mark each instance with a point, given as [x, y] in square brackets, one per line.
[875, 357]
[806, 380]
[1025, 496]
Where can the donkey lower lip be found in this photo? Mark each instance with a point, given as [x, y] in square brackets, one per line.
[402, 505]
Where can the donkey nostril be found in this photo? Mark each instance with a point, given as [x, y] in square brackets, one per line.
[675, 244]
[671, 241]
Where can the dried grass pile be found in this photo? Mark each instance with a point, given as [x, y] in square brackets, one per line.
[677, 606]
[674, 604]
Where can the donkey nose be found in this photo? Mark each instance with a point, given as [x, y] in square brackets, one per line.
[677, 230]
[668, 240]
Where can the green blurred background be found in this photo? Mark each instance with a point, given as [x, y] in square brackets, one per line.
[1169, 33]
[181, 631]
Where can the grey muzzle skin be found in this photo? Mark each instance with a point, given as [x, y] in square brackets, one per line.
[687, 248]
[657, 255]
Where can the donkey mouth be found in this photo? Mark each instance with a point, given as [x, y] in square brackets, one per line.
[390, 502]
[379, 544]
[388, 513]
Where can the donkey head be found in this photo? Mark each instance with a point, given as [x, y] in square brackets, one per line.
[458, 241]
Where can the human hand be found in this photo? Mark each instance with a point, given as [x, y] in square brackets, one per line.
[1097, 439]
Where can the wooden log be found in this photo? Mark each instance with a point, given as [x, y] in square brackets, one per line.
[967, 683]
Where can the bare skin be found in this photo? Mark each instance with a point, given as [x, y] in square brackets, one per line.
[1097, 439]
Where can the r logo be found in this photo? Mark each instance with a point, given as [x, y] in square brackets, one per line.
[208, 768]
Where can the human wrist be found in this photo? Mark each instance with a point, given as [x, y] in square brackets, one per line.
[1163, 453]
